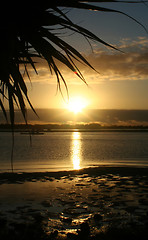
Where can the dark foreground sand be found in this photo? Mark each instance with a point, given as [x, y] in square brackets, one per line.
[96, 203]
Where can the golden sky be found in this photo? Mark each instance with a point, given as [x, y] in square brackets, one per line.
[121, 83]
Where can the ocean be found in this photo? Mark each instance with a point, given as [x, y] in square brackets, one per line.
[58, 151]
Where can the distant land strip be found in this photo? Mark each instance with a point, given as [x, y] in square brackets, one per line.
[43, 128]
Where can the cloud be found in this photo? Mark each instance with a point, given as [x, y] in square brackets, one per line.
[130, 65]
[111, 64]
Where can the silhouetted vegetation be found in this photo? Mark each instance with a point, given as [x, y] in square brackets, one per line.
[32, 32]
[38, 128]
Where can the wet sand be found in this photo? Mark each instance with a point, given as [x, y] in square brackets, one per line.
[94, 203]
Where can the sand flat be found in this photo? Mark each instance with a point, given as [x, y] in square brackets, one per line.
[103, 197]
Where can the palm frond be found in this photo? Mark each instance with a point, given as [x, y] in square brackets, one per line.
[34, 32]
[3, 109]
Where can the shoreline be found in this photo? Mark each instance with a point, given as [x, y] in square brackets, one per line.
[94, 203]
[90, 171]
[42, 131]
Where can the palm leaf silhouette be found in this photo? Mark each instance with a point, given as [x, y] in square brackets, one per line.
[28, 33]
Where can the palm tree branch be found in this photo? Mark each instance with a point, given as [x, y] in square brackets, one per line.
[33, 37]
[81, 5]
[3, 109]
[66, 47]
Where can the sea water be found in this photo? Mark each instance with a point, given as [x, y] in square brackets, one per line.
[55, 151]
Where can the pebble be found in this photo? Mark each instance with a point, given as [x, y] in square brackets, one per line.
[98, 217]
[72, 236]
[66, 220]
[46, 203]
[85, 229]
[54, 234]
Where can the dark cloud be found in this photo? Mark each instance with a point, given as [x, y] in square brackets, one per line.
[132, 63]
[113, 65]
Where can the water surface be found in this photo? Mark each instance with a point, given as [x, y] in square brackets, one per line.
[56, 151]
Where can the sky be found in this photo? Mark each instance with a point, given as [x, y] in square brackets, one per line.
[122, 81]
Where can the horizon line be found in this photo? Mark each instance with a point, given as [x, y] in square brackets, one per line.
[86, 109]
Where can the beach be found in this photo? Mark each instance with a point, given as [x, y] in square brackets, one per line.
[92, 203]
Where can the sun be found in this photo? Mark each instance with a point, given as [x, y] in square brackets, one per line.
[76, 104]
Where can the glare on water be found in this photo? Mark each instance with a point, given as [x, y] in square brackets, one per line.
[60, 151]
[76, 150]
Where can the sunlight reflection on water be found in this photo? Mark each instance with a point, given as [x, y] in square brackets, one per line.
[60, 151]
[76, 150]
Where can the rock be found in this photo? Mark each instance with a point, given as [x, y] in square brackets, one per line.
[3, 222]
[85, 229]
[98, 217]
[54, 234]
[66, 220]
[38, 217]
[46, 203]
[72, 236]
[51, 179]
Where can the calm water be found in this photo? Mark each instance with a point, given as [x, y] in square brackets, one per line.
[73, 150]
